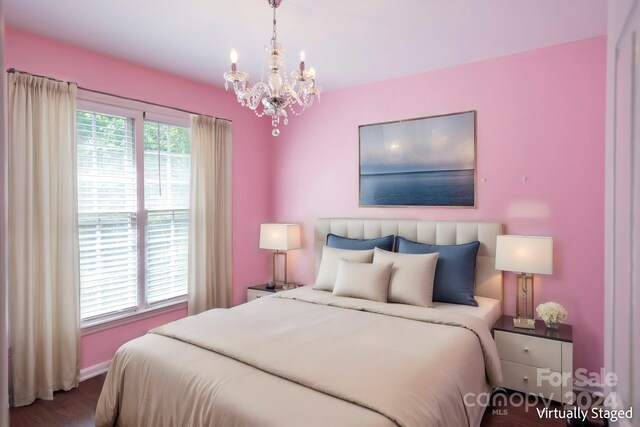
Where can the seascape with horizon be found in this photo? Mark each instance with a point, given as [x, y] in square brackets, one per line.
[424, 162]
[427, 188]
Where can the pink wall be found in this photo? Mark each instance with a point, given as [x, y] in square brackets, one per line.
[101, 346]
[540, 115]
[252, 153]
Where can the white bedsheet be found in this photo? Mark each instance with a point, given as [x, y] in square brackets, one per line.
[489, 309]
[316, 360]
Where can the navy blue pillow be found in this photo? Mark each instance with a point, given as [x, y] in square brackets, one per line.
[455, 270]
[339, 242]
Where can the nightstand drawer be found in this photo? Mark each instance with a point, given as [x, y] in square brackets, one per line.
[527, 350]
[254, 293]
[517, 376]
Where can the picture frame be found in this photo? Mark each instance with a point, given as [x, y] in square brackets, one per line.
[421, 162]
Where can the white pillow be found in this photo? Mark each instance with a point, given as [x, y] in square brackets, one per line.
[360, 280]
[329, 265]
[412, 276]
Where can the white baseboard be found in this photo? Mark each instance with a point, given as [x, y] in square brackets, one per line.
[94, 371]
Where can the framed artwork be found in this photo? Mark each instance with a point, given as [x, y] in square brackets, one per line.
[429, 161]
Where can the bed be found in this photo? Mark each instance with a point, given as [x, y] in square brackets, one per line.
[306, 357]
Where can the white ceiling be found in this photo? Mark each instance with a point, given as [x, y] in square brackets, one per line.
[349, 42]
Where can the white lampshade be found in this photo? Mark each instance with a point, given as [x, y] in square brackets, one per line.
[279, 237]
[525, 254]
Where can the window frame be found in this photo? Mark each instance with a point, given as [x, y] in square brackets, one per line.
[139, 111]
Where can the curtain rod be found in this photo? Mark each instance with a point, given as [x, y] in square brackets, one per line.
[13, 70]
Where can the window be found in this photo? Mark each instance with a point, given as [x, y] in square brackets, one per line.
[166, 197]
[107, 213]
[133, 210]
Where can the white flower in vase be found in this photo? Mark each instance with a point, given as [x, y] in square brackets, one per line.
[552, 314]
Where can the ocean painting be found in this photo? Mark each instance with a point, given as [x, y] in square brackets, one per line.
[420, 162]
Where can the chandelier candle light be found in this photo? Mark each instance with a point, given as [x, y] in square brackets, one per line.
[278, 93]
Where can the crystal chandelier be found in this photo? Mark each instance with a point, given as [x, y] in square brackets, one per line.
[278, 93]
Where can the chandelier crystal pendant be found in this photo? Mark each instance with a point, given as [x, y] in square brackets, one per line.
[278, 93]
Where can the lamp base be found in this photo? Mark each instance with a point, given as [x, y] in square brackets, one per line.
[522, 323]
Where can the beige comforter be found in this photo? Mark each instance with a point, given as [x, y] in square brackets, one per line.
[304, 358]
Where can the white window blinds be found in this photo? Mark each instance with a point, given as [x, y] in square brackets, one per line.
[107, 207]
[166, 194]
[133, 249]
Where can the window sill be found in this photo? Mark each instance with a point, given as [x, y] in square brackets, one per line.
[131, 317]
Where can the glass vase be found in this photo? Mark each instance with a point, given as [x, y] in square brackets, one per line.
[552, 325]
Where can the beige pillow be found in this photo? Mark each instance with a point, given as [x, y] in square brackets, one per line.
[412, 276]
[329, 265]
[360, 280]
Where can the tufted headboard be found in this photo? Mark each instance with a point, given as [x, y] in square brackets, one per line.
[488, 279]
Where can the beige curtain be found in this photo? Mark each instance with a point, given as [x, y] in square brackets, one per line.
[43, 272]
[210, 215]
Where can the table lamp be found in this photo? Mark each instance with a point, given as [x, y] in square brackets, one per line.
[525, 256]
[279, 238]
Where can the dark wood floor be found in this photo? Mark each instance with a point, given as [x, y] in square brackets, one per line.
[76, 408]
[72, 408]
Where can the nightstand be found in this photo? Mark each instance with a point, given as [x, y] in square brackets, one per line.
[536, 361]
[258, 291]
